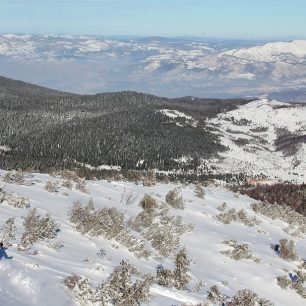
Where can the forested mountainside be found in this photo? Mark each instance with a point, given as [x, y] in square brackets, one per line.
[42, 128]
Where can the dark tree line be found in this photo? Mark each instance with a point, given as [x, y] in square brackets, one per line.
[45, 128]
[283, 194]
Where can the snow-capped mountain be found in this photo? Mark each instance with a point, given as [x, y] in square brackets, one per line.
[161, 66]
[272, 52]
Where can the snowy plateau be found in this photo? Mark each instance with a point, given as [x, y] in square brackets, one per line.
[36, 276]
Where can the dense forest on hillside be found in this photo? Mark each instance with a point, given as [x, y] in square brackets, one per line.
[41, 128]
[284, 194]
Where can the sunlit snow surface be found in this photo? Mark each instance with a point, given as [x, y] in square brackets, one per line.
[38, 279]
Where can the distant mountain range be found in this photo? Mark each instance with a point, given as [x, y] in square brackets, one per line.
[160, 66]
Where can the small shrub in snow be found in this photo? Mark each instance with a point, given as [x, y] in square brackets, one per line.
[13, 199]
[287, 250]
[177, 278]
[214, 295]
[237, 216]
[247, 297]
[8, 231]
[101, 254]
[199, 191]
[106, 222]
[198, 287]
[239, 251]
[165, 234]
[67, 184]
[142, 221]
[182, 263]
[17, 177]
[175, 200]
[37, 228]
[81, 186]
[56, 246]
[148, 204]
[222, 207]
[81, 289]
[164, 277]
[119, 289]
[51, 187]
[149, 179]
[283, 281]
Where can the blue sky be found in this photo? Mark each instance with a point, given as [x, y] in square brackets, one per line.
[248, 19]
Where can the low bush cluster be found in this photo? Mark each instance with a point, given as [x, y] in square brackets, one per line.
[119, 289]
[107, 223]
[178, 278]
[287, 250]
[7, 231]
[17, 177]
[13, 199]
[239, 251]
[37, 228]
[175, 200]
[165, 233]
[247, 297]
[236, 216]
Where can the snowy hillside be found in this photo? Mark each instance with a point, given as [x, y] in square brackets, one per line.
[271, 52]
[36, 276]
[264, 137]
[161, 66]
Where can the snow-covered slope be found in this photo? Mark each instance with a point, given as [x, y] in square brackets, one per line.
[252, 134]
[36, 278]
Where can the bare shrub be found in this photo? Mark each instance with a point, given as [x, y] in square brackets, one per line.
[13, 199]
[81, 186]
[247, 297]
[37, 228]
[164, 277]
[80, 288]
[149, 179]
[8, 231]
[199, 191]
[283, 281]
[287, 250]
[106, 222]
[119, 289]
[239, 251]
[17, 177]
[175, 200]
[237, 216]
[148, 204]
[214, 295]
[51, 187]
[177, 278]
[67, 184]
[222, 207]
[182, 263]
[142, 221]
[165, 234]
